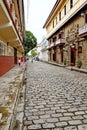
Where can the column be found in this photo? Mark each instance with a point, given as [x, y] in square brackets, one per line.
[49, 55]
[57, 50]
[52, 51]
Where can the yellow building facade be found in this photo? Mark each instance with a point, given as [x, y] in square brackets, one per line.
[66, 28]
[11, 33]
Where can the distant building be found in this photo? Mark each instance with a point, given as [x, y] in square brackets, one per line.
[38, 48]
[12, 28]
[44, 51]
[66, 28]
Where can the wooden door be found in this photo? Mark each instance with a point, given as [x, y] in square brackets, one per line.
[15, 56]
[73, 56]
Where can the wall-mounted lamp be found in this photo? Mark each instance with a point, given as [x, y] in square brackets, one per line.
[72, 45]
[82, 14]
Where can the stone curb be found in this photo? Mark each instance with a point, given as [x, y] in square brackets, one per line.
[68, 67]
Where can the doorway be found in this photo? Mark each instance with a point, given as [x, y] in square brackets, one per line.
[73, 56]
[15, 56]
[54, 56]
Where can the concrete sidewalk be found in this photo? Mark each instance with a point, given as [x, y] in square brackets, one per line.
[10, 85]
[69, 67]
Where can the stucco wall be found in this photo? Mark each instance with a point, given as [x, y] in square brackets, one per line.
[6, 63]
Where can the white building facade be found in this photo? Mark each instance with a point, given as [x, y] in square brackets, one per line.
[44, 51]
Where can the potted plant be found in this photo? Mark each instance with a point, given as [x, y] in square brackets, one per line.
[79, 63]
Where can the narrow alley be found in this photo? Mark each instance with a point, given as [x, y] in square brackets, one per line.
[55, 98]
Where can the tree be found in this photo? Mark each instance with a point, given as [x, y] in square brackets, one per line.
[33, 53]
[30, 41]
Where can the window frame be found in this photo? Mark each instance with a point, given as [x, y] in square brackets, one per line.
[86, 18]
[71, 4]
[59, 16]
[53, 23]
[56, 20]
[64, 9]
[2, 48]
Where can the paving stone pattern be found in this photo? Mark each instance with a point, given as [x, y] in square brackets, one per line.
[55, 99]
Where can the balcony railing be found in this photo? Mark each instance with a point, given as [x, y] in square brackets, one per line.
[51, 45]
[83, 29]
[11, 9]
[60, 41]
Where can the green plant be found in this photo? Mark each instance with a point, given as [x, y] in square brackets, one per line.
[79, 63]
[64, 61]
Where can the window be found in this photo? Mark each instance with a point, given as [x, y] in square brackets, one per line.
[56, 20]
[50, 42]
[60, 35]
[85, 18]
[10, 51]
[65, 10]
[10, 7]
[2, 49]
[54, 39]
[53, 24]
[60, 16]
[71, 3]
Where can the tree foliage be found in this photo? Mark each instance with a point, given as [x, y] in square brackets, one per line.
[33, 53]
[30, 41]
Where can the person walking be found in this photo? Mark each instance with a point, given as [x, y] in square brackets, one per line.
[19, 61]
[23, 62]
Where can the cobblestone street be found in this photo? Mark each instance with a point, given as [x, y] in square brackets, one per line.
[55, 99]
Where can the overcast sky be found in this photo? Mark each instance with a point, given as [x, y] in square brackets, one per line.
[36, 15]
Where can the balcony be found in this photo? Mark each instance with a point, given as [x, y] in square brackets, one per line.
[13, 13]
[8, 30]
[60, 41]
[50, 46]
[83, 30]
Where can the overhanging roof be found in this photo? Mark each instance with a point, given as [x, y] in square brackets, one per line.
[52, 11]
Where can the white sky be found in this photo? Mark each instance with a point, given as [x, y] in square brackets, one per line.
[36, 15]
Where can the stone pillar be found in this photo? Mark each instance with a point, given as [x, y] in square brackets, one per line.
[49, 55]
[57, 50]
[59, 55]
[77, 55]
[52, 51]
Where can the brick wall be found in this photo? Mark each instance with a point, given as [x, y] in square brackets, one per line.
[6, 63]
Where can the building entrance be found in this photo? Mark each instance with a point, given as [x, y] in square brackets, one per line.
[73, 55]
[15, 56]
[54, 56]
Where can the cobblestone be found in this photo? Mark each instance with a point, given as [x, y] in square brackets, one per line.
[75, 122]
[61, 124]
[34, 127]
[55, 98]
[82, 127]
[48, 125]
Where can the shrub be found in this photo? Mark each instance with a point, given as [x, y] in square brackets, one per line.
[79, 63]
